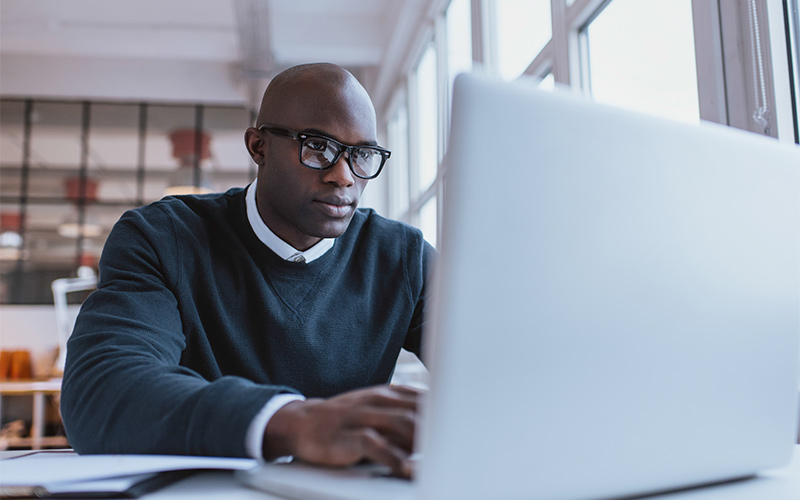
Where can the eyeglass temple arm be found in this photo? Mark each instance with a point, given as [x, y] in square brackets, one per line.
[278, 131]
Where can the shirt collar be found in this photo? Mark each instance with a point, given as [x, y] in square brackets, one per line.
[284, 250]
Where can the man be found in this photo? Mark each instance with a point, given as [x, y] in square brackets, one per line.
[216, 316]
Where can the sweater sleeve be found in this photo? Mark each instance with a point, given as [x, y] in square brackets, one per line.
[124, 390]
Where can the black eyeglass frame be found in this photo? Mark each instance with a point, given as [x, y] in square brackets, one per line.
[301, 137]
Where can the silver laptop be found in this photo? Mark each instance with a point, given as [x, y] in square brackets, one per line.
[618, 308]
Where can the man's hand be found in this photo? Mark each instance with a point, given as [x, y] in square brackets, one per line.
[376, 423]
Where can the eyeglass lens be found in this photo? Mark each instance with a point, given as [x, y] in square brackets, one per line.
[318, 152]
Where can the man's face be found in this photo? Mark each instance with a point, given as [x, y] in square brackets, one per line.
[299, 204]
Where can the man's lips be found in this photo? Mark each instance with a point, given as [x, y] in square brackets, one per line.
[336, 207]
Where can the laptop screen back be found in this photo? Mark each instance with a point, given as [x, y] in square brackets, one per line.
[618, 301]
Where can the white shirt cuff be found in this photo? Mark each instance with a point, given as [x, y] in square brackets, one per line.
[254, 439]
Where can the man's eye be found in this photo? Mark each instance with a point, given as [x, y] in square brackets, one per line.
[367, 154]
[317, 144]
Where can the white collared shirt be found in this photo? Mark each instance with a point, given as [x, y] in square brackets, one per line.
[284, 250]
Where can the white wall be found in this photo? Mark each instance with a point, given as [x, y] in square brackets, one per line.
[121, 79]
[31, 328]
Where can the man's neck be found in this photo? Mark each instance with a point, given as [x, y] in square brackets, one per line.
[311, 250]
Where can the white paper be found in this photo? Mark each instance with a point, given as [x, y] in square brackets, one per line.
[43, 469]
[99, 485]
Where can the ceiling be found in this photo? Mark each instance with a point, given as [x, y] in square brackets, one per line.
[201, 29]
[254, 38]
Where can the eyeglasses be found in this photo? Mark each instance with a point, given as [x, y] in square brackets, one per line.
[320, 152]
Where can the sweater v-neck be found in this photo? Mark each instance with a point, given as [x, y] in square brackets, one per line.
[267, 259]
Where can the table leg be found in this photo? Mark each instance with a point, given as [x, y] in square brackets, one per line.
[37, 421]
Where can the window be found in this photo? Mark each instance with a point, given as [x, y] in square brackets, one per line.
[398, 168]
[426, 123]
[522, 28]
[682, 59]
[428, 222]
[641, 56]
[793, 18]
[459, 39]
[88, 162]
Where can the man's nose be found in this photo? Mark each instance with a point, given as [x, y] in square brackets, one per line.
[339, 173]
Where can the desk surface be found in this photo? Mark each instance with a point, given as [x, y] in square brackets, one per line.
[779, 484]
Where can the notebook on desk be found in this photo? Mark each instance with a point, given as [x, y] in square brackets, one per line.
[640, 330]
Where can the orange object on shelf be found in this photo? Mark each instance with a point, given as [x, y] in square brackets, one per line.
[5, 364]
[15, 365]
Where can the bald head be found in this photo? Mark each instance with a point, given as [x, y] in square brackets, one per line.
[322, 87]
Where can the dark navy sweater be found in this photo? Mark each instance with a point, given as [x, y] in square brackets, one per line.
[196, 324]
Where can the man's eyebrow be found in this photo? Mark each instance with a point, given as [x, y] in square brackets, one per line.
[315, 131]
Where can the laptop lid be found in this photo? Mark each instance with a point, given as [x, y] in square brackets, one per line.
[618, 301]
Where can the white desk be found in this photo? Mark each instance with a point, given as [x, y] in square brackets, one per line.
[781, 484]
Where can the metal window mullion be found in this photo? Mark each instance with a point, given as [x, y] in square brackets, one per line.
[710, 63]
[780, 49]
[140, 173]
[198, 143]
[577, 17]
[737, 55]
[484, 34]
[542, 64]
[413, 143]
[561, 60]
[792, 24]
[83, 176]
[24, 185]
[442, 90]
[582, 12]
[443, 106]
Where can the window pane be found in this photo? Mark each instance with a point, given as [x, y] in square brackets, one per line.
[459, 38]
[12, 123]
[397, 165]
[641, 55]
[161, 121]
[548, 82]
[230, 164]
[12, 118]
[427, 221]
[114, 150]
[523, 28]
[114, 137]
[426, 124]
[56, 134]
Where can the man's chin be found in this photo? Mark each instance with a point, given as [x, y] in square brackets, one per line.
[335, 227]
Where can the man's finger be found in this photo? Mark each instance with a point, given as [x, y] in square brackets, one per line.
[408, 389]
[380, 450]
[393, 397]
[396, 424]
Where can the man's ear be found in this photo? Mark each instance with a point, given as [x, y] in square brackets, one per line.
[253, 140]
